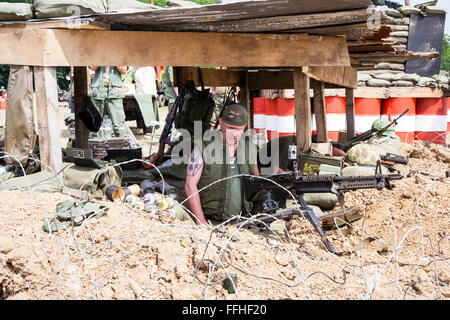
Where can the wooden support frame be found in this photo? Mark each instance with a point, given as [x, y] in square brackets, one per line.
[338, 76]
[80, 90]
[48, 119]
[350, 112]
[245, 97]
[320, 111]
[302, 110]
[59, 47]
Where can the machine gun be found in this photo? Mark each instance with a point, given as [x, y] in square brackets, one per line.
[298, 184]
[366, 135]
[389, 160]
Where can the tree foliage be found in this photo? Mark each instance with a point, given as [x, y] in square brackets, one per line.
[445, 54]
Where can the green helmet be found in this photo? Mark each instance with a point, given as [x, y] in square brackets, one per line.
[364, 154]
[382, 123]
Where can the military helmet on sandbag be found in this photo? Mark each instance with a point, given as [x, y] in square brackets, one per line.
[364, 154]
[383, 123]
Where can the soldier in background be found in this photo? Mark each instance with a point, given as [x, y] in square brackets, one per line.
[107, 95]
[389, 142]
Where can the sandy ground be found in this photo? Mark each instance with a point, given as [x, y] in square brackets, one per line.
[398, 250]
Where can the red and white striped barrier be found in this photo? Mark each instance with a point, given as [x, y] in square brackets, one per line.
[336, 120]
[285, 109]
[259, 115]
[271, 118]
[392, 108]
[431, 120]
[447, 105]
[367, 110]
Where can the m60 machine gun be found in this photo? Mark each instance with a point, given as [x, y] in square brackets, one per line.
[278, 188]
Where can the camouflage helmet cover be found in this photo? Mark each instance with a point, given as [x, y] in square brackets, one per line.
[364, 154]
[382, 123]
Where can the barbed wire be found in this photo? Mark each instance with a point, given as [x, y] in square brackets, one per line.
[214, 257]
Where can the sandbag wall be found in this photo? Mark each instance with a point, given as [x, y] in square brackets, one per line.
[428, 119]
[392, 74]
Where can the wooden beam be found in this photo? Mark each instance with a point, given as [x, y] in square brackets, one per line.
[350, 112]
[57, 47]
[48, 119]
[272, 24]
[302, 110]
[211, 77]
[80, 90]
[245, 97]
[341, 76]
[320, 111]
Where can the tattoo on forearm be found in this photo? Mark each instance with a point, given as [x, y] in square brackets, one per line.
[195, 163]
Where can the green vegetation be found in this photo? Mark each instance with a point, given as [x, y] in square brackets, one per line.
[445, 54]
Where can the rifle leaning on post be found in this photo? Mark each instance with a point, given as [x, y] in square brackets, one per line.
[164, 139]
[226, 100]
[299, 184]
[366, 135]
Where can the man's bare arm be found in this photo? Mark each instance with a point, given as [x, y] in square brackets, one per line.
[193, 175]
[122, 69]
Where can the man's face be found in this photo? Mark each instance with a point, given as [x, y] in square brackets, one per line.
[231, 134]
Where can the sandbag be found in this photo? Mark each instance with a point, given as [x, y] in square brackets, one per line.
[325, 201]
[378, 83]
[402, 83]
[414, 77]
[435, 9]
[440, 78]
[364, 77]
[399, 34]
[426, 82]
[20, 130]
[40, 181]
[385, 76]
[16, 11]
[358, 171]
[393, 13]
[123, 6]
[94, 181]
[181, 3]
[66, 8]
[401, 40]
[383, 65]
[407, 10]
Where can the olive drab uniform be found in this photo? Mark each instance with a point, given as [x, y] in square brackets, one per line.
[107, 95]
[225, 199]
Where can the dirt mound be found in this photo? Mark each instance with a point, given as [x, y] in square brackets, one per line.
[398, 250]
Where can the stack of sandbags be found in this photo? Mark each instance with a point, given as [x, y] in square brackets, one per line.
[67, 8]
[390, 77]
[124, 6]
[16, 11]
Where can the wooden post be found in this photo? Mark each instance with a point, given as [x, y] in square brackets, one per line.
[350, 112]
[48, 119]
[302, 110]
[320, 111]
[80, 89]
[245, 97]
